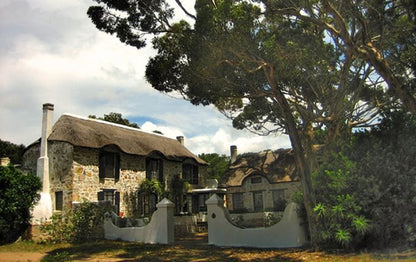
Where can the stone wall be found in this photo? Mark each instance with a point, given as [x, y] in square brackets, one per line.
[86, 181]
[30, 158]
[266, 188]
[75, 172]
[60, 156]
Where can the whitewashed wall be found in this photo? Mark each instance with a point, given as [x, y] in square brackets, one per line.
[289, 232]
[160, 230]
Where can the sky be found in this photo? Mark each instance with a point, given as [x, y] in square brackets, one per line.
[50, 52]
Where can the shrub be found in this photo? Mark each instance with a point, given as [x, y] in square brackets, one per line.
[18, 195]
[80, 224]
[340, 220]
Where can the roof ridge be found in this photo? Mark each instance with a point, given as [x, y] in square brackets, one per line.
[115, 124]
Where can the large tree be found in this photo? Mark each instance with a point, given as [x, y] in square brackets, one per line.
[268, 72]
[380, 32]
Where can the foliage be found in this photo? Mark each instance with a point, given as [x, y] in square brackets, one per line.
[218, 164]
[18, 195]
[385, 185]
[177, 193]
[116, 118]
[340, 219]
[87, 217]
[59, 229]
[297, 67]
[12, 151]
[378, 33]
[152, 186]
[366, 193]
[80, 224]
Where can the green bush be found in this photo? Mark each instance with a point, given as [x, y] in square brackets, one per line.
[18, 195]
[80, 224]
[385, 181]
[59, 229]
[340, 220]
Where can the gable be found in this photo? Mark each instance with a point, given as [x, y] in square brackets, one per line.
[275, 166]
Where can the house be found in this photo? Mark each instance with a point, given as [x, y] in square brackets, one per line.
[258, 182]
[80, 159]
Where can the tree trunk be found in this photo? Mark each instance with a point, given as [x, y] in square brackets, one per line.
[303, 162]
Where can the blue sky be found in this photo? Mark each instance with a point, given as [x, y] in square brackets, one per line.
[51, 52]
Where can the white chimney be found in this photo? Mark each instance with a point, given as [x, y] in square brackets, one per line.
[43, 209]
[43, 161]
[233, 154]
[181, 140]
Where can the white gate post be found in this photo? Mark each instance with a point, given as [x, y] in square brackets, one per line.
[215, 217]
[167, 226]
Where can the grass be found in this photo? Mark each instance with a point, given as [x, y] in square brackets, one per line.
[129, 251]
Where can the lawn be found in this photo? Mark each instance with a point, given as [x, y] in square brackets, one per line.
[185, 251]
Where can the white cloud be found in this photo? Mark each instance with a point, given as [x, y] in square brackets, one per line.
[51, 52]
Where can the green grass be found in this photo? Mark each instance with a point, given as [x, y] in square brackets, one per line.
[130, 251]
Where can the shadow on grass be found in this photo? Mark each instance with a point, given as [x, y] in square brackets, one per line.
[129, 251]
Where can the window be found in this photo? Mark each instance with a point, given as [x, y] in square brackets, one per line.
[109, 166]
[258, 201]
[201, 203]
[256, 180]
[154, 169]
[279, 200]
[238, 201]
[147, 203]
[59, 200]
[112, 196]
[190, 173]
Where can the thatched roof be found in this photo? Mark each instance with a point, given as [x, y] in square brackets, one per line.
[94, 133]
[277, 166]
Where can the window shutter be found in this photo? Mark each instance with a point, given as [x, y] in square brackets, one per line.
[195, 174]
[117, 167]
[117, 202]
[100, 196]
[101, 171]
[161, 170]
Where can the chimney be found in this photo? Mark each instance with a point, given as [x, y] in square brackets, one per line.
[233, 154]
[181, 140]
[43, 161]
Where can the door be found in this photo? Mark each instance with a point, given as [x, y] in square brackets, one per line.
[258, 201]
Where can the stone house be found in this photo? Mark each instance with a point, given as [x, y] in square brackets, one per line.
[259, 182]
[87, 159]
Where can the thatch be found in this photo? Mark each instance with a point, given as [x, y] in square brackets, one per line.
[85, 132]
[276, 166]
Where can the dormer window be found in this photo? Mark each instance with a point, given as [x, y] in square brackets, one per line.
[109, 166]
[154, 169]
[190, 173]
[255, 180]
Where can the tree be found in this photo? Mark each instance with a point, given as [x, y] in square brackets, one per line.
[385, 179]
[269, 73]
[13, 151]
[381, 33]
[218, 164]
[116, 118]
[18, 195]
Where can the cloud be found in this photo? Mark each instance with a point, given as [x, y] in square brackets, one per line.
[51, 52]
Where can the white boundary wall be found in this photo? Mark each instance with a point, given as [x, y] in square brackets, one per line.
[289, 232]
[160, 230]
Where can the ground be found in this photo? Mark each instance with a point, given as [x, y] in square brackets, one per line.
[191, 248]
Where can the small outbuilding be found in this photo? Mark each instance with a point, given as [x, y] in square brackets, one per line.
[260, 182]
